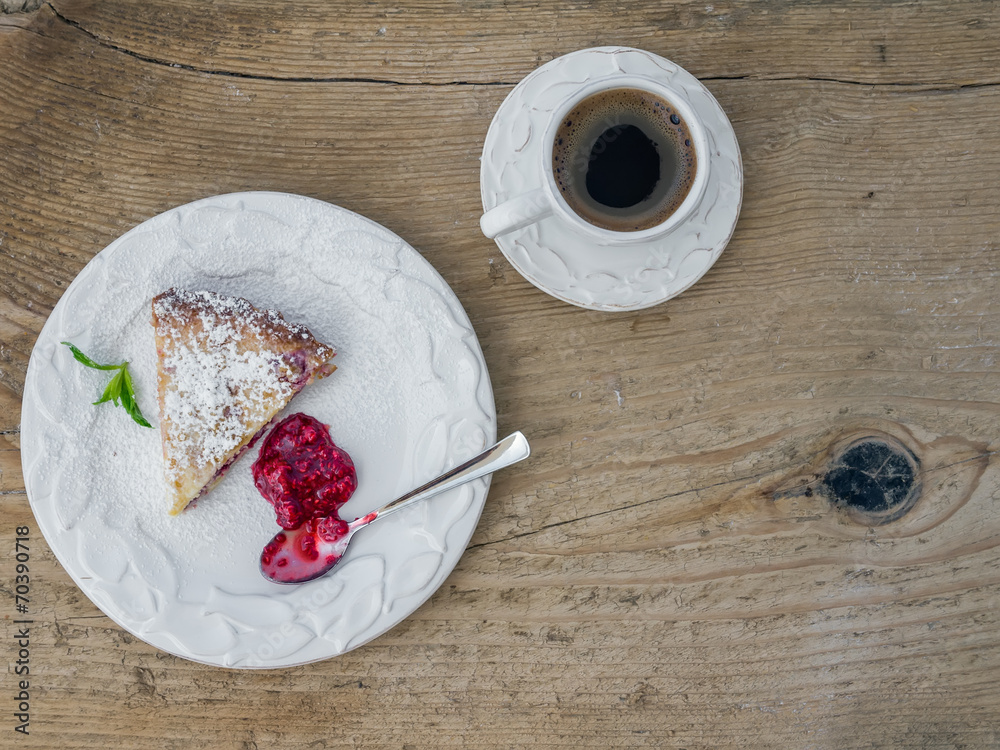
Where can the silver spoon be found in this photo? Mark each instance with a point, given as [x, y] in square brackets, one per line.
[313, 549]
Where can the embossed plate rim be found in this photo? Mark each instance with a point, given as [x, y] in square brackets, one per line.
[475, 416]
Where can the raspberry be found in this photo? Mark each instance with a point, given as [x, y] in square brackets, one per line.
[307, 543]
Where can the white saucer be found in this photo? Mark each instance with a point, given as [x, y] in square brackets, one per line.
[571, 266]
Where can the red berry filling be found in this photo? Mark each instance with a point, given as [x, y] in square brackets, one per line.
[306, 479]
[301, 473]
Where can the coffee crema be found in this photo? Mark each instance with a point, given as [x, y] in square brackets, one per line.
[624, 159]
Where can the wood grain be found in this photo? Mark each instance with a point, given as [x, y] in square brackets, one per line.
[670, 569]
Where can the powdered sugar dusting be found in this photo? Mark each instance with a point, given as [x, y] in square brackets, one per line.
[218, 386]
[225, 369]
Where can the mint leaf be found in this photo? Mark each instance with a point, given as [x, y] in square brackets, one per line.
[128, 399]
[129, 404]
[113, 391]
[119, 391]
[136, 415]
[85, 360]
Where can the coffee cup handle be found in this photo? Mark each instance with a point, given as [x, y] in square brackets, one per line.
[516, 213]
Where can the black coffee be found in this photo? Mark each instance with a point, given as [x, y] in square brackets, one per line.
[623, 159]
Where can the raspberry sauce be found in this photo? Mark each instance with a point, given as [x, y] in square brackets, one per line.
[306, 478]
[301, 473]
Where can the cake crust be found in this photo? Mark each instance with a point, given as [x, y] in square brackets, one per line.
[225, 369]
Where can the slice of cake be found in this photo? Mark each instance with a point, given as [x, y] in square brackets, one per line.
[225, 369]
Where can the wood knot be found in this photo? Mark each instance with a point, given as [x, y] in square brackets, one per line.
[875, 479]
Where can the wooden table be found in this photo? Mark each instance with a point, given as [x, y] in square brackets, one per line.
[679, 564]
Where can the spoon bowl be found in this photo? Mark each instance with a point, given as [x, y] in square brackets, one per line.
[314, 549]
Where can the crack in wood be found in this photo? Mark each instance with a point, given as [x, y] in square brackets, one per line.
[259, 77]
[916, 86]
[747, 479]
[979, 457]
[913, 86]
[622, 509]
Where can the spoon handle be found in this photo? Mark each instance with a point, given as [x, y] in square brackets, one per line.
[510, 450]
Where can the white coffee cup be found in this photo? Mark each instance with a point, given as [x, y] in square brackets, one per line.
[546, 200]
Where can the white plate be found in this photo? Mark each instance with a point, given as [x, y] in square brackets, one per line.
[573, 267]
[411, 397]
